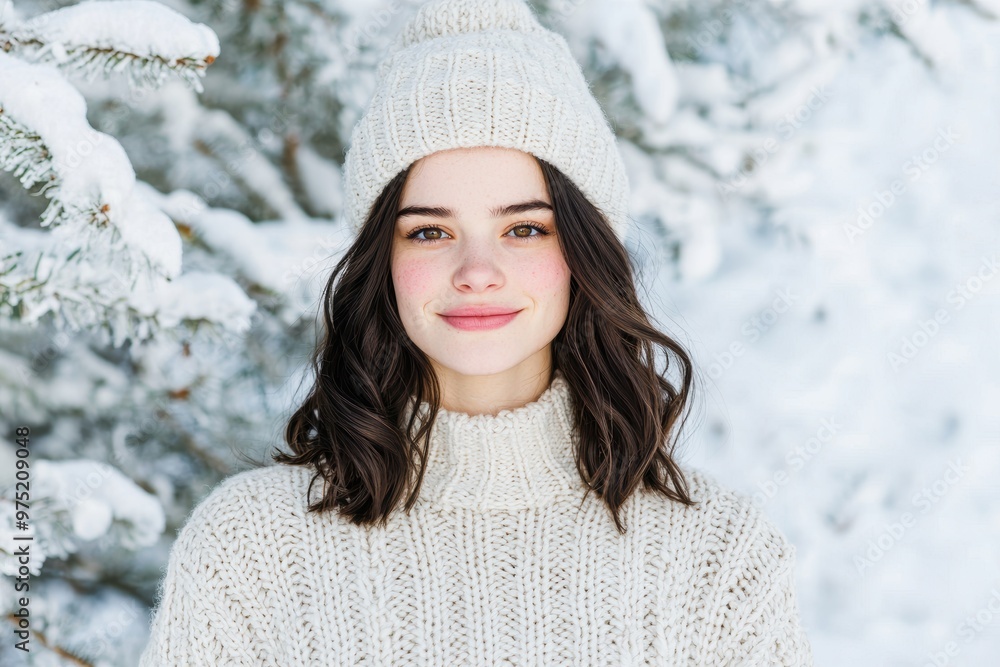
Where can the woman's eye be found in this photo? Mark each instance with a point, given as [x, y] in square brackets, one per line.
[429, 230]
[540, 229]
[433, 230]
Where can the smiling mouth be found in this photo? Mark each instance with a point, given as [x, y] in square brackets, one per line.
[479, 322]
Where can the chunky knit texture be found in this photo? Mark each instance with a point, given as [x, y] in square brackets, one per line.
[499, 563]
[468, 73]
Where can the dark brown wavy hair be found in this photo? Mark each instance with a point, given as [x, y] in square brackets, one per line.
[628, 416]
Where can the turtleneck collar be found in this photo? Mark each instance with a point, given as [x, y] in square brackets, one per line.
[519, 458]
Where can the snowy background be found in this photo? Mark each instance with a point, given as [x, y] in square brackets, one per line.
[817, 218]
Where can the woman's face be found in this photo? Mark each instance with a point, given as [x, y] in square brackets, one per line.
[455, 248]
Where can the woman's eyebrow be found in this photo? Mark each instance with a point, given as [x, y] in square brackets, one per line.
[523, 207]
[497, 212]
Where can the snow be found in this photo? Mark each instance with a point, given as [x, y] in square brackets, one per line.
[915, 457]
[321, 179]
[141, 27]
[91, 518]
[92, 170]
[95, 492]
[97, 624]
[705, 83]
[250, 165]
[196, 295]
[89, 496]
[232, 234]
[151, 233]
[288, 259]
[628, 29]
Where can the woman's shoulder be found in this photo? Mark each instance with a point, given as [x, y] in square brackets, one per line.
[714, 496]
[248, 504]
[727, 521]
[742, 569]
[263, 486]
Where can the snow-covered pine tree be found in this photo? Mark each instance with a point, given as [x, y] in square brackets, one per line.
[142, 378]
[100, 265]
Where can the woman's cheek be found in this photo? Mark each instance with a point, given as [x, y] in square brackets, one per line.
[548, 273]
[414, 282]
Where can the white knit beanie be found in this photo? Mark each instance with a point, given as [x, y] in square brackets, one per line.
[468, 73]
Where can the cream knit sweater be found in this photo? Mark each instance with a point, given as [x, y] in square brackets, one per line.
[499, 563]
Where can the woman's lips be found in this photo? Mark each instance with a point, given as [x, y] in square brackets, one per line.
[479, 323]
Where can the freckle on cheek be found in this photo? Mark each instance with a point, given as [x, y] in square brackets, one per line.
[415, 278]
[549, 272]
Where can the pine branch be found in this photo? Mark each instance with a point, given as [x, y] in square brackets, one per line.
[23, 153]
[99, 37]
[92, 62]
[88, 233]
[61, 652]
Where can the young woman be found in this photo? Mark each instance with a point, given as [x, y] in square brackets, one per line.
[482, 473]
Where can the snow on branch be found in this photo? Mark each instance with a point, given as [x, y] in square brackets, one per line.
[110, 257]
[146, 39]
[45, 138]
[78, 501]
